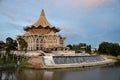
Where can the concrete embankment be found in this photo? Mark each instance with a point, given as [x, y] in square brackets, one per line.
[47, 62]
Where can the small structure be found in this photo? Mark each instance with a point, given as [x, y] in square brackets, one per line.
[42, 35]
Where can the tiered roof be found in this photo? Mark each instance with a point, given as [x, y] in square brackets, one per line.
[42, 23]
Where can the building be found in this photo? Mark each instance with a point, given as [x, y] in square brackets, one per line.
[42, 35]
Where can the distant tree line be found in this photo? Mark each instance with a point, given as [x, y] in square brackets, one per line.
[80, 47]
[109, 48]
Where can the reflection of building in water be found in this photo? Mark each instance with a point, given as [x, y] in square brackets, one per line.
[7, 75]
[43, 35]
[39, 75]
[48, 75]
[53, 75]
[30, 75]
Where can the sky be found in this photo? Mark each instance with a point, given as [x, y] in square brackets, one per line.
[81, 21]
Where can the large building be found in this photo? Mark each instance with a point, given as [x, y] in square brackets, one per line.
[42, 35]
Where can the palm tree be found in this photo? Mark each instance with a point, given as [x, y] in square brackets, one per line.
[22, 44]
[14, 45]
[8, 47]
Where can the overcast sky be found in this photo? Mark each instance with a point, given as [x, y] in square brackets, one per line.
[81, 21]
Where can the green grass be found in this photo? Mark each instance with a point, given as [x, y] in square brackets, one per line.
[2, 61]
[118, 60]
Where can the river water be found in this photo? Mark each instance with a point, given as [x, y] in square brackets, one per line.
[94, 73]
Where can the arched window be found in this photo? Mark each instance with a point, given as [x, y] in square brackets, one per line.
[37, 44]
[37, 41]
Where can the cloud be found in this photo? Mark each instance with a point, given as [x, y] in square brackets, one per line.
[77, 23]
[70, 31]
[80, 3]
[90, 3]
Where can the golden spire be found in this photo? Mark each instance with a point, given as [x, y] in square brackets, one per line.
[42, 13]
[42, 21]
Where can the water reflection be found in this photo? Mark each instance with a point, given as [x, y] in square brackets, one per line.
[38, 75]
[7, 75]
[106, 73]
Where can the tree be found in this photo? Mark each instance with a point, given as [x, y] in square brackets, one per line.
[70, 46]
[15, 44]
[8, 46]
[88, 49]
[2, 45]
[80, 47]
[104, 48]
[22, 44]
[115, 51]
[109, 48]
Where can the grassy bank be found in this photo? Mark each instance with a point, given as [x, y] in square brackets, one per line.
[8, 65]
[118, 60]
[2, 61]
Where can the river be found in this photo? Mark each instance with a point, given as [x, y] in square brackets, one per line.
[94, 73]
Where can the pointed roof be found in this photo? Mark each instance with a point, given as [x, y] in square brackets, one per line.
[42, 13]
[42, 21]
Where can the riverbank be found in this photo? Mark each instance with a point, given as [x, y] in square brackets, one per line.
[115, 59]
[42, 62]
[118, 60]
